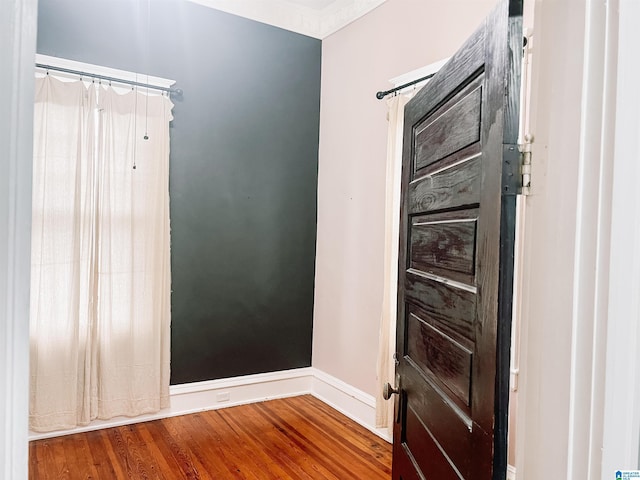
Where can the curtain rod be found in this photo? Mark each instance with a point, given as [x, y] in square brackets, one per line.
[381, 95]
[169, 90]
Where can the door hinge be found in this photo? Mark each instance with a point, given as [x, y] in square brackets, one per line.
[525, 165]
[514, 376]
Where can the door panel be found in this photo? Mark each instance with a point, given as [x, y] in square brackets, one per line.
[427, 449]
[456, 260]
[439, 357]
[451, 128]
[451, 307]
[455, 186]
[444, 244]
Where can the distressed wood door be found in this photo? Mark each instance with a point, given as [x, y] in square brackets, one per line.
[460, 179]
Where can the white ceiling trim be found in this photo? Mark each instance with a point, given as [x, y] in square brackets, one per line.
[298, 17]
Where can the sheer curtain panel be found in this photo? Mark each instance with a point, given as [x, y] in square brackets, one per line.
[100, 299]
[387, 339]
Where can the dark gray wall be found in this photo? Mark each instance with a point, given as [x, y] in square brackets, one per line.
[244, 152]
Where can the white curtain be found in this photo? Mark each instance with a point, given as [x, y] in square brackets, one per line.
[100, 288]
[387, 343]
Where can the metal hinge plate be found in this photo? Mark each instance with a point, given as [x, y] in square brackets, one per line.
[525, 165]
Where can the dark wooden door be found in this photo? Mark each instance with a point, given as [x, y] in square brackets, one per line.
[460, 178]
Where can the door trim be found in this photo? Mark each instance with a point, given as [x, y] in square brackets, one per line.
[18, 25]
[621, 431]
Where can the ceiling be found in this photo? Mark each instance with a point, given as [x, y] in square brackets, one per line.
[315, 4]
[315, 18]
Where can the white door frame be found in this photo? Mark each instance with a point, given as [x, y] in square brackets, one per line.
[579, 401]
[18, 25]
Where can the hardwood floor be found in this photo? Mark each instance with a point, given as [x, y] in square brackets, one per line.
[294, 438]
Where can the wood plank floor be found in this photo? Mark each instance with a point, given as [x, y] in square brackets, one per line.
[295, 438]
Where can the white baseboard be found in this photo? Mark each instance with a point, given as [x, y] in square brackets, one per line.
[229, 392]
[348, 400]
[511, 472]
[211, 395]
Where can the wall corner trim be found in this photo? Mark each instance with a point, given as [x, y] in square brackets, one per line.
[228, 392]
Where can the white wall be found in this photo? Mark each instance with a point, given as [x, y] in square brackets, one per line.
[17, 52]
[357, 61]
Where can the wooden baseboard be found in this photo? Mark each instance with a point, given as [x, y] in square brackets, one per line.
[228, 392]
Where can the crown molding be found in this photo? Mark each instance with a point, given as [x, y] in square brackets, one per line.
[289, 15]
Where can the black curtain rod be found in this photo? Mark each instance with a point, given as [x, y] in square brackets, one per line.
[170, 91]
[381, 95]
